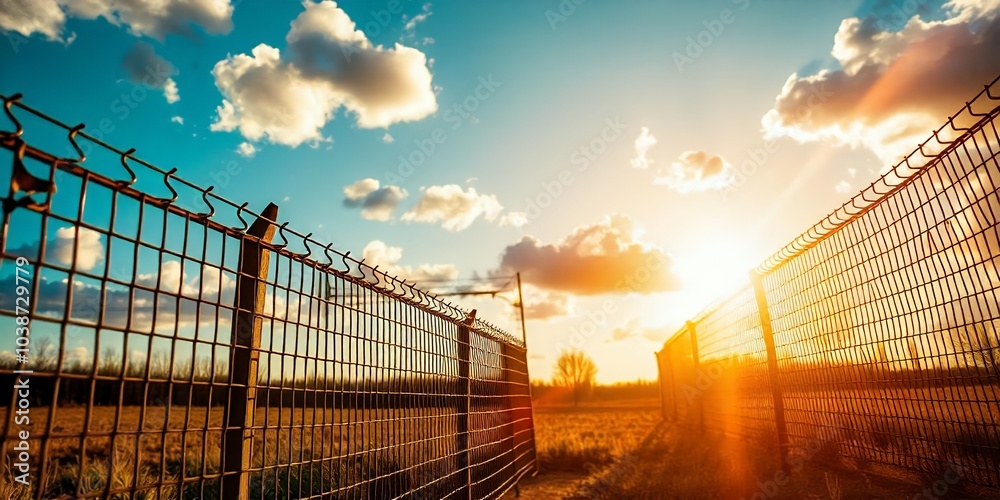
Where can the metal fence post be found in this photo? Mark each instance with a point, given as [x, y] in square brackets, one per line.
[238, 438]
[695, 368]
[659, 378]
[772, 367]
[464, 400]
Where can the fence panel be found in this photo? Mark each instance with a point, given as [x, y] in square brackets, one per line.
[176, 355]
[884, 317]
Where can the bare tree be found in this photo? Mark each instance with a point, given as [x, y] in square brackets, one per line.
[576, 371]
[980, 345]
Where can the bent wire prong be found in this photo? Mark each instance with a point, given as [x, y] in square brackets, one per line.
[239, 215]
[131, 173]
[211, 208]
[281, 232]
[81, 156]
[173, 192]
[7, 103]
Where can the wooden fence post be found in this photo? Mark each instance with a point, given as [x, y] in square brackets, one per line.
[700, 407]
[250, 289]
[772, 367]
[464, 400]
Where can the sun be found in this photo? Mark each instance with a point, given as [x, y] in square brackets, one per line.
[713, 270]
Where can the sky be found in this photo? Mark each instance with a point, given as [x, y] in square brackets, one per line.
[632, 160]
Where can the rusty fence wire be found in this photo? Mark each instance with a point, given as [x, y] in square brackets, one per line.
[873, 337]
[177, 345]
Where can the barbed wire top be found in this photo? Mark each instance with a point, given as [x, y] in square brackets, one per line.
[312, 250]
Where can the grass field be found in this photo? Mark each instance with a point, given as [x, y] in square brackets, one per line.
[623, 450]
[354, 452]
[575, 444]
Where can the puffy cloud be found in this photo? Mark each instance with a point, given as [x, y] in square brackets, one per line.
[387, 258]
[173, 279]
[170, 91]
[643, 143]
[543, 305]
[268, 97]
[455, 208]
[33, 16]
[387, 138]
[894, 87]
[514, 219]
[696, 171]
[329, 64]
[147, 68]
[376, 203]
[246, 150]
[177, 119]
[600, 258]
[154, 18]
[89, 247]
[842, 187]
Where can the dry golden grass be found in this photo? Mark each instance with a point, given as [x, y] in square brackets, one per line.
[361, 446]
[576, 443]
[589, 437]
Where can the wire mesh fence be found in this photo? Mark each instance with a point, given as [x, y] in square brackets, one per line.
[173, 350]
[873, 337]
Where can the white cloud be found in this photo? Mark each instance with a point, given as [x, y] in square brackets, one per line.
[388, 138]
[89, 247]
[894, 87]
[454, 208]
[170, 91]
[843, 187]
[514, 219]
[643, 143]
[696, 171]
[173, 279]
[387, 258]
[246, 150]
[376, 203]
[154, 18]
[329, 64]
[409, 29]
[177, 119]
[267, 97]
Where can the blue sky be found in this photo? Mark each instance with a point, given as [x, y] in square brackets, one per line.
[564, 79]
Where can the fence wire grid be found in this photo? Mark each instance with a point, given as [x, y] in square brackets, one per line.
[872, 338]
[180, 351]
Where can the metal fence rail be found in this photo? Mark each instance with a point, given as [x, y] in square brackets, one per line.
[191, 350]
[873, 337]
